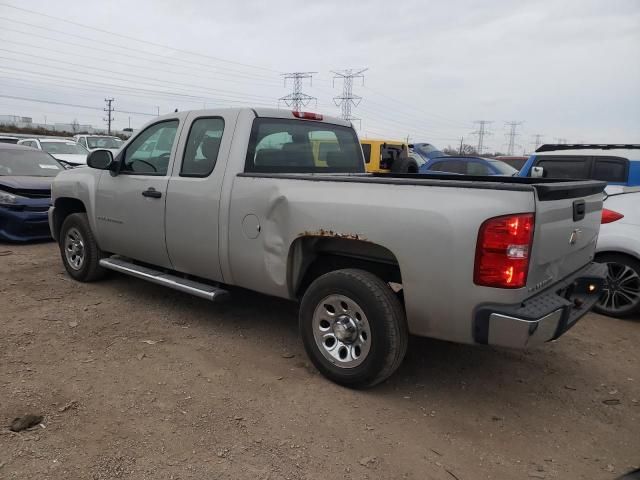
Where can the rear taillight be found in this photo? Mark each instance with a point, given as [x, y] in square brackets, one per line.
[307, 115]
[502, 251]
[609, 216]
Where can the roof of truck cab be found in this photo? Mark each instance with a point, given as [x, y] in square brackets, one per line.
[377, 140]
[259, 112]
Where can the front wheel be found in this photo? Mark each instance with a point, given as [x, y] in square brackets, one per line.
[353, 327]
[79, 249]
[621, 291]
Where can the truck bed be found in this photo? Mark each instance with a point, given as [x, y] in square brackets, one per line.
[547, 189]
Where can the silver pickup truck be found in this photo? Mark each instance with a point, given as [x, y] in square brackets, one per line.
[278, 202]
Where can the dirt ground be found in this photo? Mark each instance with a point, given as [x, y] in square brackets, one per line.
[136, 381]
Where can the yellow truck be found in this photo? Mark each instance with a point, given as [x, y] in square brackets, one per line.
[387, 156]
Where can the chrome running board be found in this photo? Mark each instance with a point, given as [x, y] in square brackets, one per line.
[185, 285]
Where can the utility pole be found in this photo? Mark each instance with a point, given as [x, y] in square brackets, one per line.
[297, 99]
[537, 141]
[109, 109]
[511, 144]
[461, 143]
[482, 132]
[347, 100]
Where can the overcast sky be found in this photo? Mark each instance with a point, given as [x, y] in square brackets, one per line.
[567, 69]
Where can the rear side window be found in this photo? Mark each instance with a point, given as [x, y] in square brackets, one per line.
[203, 145]
[295, 146]
[449, 166]
[564, 167]
[610, 169]
[366, 150]
[477, 168]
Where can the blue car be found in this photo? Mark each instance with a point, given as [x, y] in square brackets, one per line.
[426, 150]
[614, 164]
[25, 191]
[468, 166]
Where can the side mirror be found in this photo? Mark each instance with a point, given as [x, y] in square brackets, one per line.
[537, 172]
[100, 159]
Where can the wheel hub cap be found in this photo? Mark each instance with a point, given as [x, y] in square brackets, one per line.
[345, 329]
[622, 290]
[74, 248]
[341, 331]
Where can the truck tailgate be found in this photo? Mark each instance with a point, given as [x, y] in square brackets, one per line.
[567, 224]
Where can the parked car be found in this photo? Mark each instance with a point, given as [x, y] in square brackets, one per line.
[238, 199]
[93, 142]
[387, 156]
[619, 241]
[515, 161]
[426, 150]
[63, 150]
[25, 192]
[619, 248]
[6, 139]
[615, 164]
[468, 166]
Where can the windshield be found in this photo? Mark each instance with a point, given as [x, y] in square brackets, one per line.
[63, 148]
[502, 167]
[104, 142]
[29, 163]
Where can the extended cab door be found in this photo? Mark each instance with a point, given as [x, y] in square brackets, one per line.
[194, 194]
[130, 205]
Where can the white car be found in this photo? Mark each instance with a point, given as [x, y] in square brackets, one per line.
[64, 150]
[619, 247]
[94, 142]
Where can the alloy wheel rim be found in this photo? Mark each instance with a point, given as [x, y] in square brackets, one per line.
[74, 249]
[341, 331]
[621, 291]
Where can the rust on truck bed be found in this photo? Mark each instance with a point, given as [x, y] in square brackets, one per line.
[331, 234]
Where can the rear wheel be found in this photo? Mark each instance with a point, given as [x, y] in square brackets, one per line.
[404, 165]
[353, 327]
[79, 249]
[621, 292]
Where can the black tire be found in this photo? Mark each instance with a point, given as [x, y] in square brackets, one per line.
[626, 305]
[385, 318]
[89, 269]
[404, 165]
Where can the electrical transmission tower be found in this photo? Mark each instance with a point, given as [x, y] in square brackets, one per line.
[537, 141]
[511, 136]
[560, 140]
[109, 118]
[297, 99]
[482, 132]
[347, 100]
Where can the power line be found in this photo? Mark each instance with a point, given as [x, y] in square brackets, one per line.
[109, 110]
[511, 136]
[348, 100]
[127, 50]
[75, 105]
[481, 132]
[297, 98]
[93, 28]
[145, 68]
[125, 77]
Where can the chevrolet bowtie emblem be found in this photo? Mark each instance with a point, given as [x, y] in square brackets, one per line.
[573, 238]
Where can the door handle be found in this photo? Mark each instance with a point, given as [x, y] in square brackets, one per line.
[151, 192]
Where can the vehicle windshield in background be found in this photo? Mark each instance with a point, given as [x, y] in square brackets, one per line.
[104, 142]
[291, 146]
[63, 148]
[28, 163]
[502, 167]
